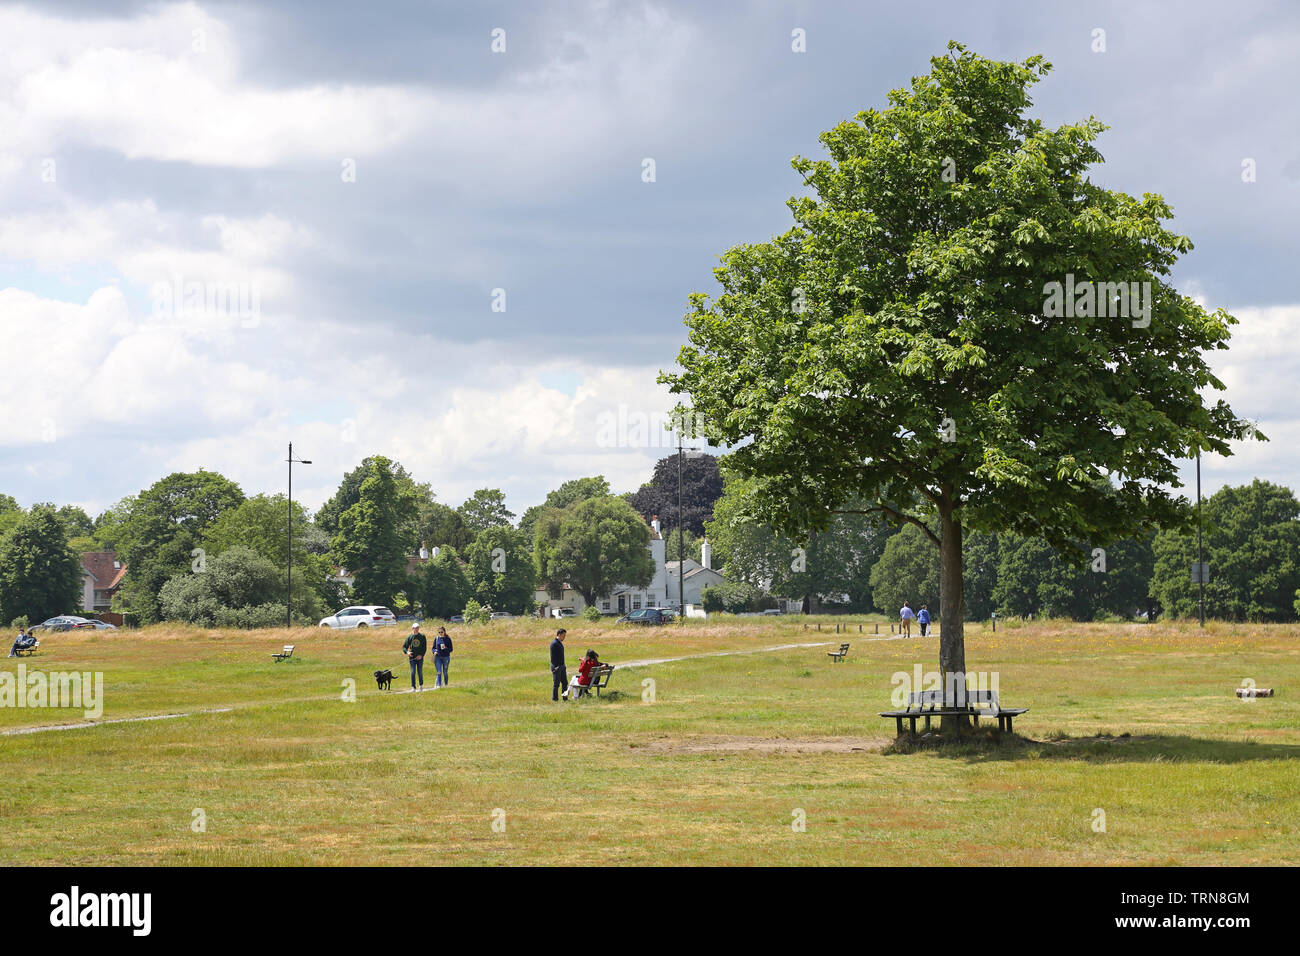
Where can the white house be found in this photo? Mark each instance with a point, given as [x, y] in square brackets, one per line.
[623, 598]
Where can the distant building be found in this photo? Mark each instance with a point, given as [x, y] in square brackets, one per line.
[101, 576]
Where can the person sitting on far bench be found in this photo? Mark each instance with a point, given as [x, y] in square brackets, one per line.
[582, 680]
[23, 642]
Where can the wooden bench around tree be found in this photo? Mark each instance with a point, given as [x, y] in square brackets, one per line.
[599, 680]
[839, 655]
[283, 655]
[978, 703]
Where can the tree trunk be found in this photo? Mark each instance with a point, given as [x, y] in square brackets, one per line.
[952, 608]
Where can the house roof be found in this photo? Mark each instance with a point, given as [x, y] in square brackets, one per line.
[99, 565]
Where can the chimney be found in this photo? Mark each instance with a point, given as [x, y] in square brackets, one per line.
[654, 523]
[706, 555]
[424, 552]
[436, 551]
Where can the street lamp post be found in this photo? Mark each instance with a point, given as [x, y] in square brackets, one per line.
[1200, 558]
[288, 597]
[681, 550]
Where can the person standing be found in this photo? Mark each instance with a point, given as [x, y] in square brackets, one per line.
[559, 676]
[415, 645]
[441, 658]
[905, 616]
[923, 618]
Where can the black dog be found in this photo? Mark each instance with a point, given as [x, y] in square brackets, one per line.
[384, 679]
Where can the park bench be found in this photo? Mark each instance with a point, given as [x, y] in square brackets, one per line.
[599, 680]
[283, 655]
[930, 703]
[839, 655]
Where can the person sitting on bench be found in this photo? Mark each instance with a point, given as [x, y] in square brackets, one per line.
[22, 642]
[582, 680]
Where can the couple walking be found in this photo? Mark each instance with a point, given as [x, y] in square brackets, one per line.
[415, 647]
[906, 615]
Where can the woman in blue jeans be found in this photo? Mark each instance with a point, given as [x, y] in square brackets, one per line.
[442, 657]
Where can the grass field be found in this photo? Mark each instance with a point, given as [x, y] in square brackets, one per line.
[1139, 722]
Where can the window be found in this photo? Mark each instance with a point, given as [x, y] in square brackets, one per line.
[636, 602]
[605, 604]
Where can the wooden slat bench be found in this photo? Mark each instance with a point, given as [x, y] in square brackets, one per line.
[839, 655]
[283, 655]
[930, 703]
[599, 680]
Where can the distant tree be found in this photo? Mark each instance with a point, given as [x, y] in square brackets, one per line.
[373, 537]
[260, 523]
[499, 567]
[418, 498]
[441, 587]
[441, 526]
[569, 493]
[701, 487]
[9, 503]
[40, 576]
[157, 532]
[1252, 544]
[593, 545]
[732, 597]
[237, 588]
[908, 570]
[76, 521]
[690, 543]
[484, 509]
[980, 559]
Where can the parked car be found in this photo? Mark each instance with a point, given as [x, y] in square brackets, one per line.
[360, 615]
[99, 625]
[773, 612]
[456, 619]
[563, 612]
[64, 622]
[647, 616]
[501, 615]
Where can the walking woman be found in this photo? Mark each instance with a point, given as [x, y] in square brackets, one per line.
[441, 658]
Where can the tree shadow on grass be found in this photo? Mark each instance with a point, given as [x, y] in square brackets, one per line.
[987, 746]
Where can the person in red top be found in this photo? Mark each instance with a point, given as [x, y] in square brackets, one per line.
[590, 661]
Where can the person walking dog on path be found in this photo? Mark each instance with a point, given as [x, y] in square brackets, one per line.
[415, 645]
[441, 658]
[905, 616]
[923, 618]
[559, 676]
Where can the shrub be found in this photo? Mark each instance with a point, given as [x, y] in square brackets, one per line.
[733, 597]
[20, 621]
[476, 613]
[591, 613]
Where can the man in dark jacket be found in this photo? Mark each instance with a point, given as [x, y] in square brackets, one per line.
[415, 645]
[559, 676]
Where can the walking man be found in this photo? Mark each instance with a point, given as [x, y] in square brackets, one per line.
[415, 645]
[905, 616]
[441, 658]
[923, 618]
[559, 676]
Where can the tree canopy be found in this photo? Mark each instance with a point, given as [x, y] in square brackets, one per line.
[593, 545]
[40, 576]
[902, 345]
[701, 487]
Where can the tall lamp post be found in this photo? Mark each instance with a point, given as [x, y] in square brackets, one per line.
[681, 550]
[288, 597]
[1200, 558]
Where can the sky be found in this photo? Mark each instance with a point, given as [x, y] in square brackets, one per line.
[424, 230]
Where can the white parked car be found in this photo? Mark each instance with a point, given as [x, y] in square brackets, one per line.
[360, 615]
[501, 615]
[563, 612]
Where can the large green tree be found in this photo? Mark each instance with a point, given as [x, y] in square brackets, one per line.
[440, 585]
[418, 496]
[569, 493]
[40, 576]
[484, 509]
[157, 532]
[1251, 540]
[901, 344]
[374, 536]
[499, 567]
[593, 546]
[701, 484]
